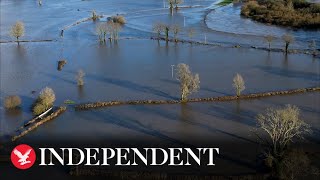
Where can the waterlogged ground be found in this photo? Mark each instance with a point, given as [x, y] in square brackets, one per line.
[140, 68]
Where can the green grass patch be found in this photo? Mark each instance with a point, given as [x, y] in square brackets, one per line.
[69, 102]
[225, 2]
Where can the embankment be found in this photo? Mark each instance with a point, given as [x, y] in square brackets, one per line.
[33, 124]
[87, 106]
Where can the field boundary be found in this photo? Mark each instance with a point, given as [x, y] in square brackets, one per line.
[100, 104]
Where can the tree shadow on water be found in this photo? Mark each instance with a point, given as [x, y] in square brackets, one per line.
[186, 116]
[132, 124]
[290, 73]
[132, 86]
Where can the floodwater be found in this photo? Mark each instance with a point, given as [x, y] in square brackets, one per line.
[140, 68]
[120, 73]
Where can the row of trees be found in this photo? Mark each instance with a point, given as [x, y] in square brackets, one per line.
[112, 28]
[161, 28]
[114, 25]
[288, 39]
[190, 83]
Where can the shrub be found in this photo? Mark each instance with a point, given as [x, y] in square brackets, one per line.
[61, 63]
[238, 84]
[17, 30]
[11, 102]
[189, 83]
[118, 19]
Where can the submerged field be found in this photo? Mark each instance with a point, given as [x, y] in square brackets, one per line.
[138, 68]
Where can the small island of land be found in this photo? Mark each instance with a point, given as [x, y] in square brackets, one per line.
[290, 13]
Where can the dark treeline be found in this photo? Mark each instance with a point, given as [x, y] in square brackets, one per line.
[292, 13]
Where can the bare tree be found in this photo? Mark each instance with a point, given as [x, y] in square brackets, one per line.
[102, 30]
[114, 29]
[282, 126]
[175, 29]
[158, 28]
[17, 30]
[189, 82]
[79, 77]
[171, 5]
[288, 39]
[313, 47]
[238, 84]
[269, 40]
[191, 32]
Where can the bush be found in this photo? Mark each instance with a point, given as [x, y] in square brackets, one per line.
[11, 102]
[61, 63]
[118, 19]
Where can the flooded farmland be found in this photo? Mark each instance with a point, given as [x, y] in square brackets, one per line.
[136, 67]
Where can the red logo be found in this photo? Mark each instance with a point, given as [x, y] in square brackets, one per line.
[23, 156]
